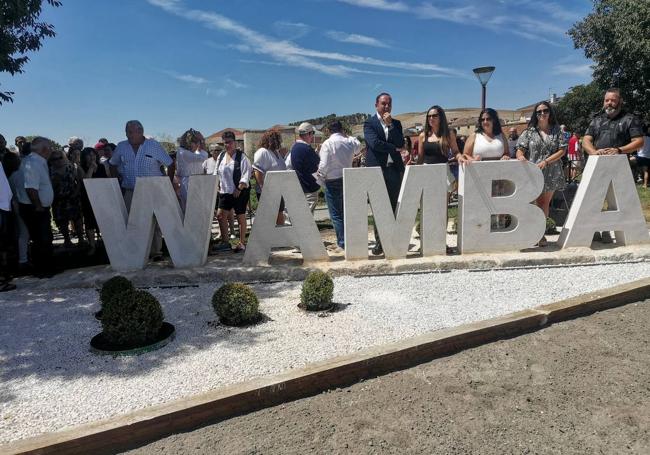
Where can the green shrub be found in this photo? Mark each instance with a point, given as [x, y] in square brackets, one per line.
[550, 226]
[114, 286]
[317, 292]
[132, 318]
[236, 304]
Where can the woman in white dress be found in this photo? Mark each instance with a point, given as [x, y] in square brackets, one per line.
[189, 160]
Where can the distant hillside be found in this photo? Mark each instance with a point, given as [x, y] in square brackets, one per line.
[351, 119]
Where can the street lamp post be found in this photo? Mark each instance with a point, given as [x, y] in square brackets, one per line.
[483, 75]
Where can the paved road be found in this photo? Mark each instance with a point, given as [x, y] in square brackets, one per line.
[580, 386]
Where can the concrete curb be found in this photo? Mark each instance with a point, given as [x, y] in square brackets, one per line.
[137, 428]
[230, 268]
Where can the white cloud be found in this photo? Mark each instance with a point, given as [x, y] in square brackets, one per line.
[235, 83]
[510, 17]
[575, 70]
[354, 38]
[378, 4]
[189, 78]
[291, 30]
[289, 53]
[220, 92]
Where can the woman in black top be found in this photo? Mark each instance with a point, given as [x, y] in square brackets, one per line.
[437, 139]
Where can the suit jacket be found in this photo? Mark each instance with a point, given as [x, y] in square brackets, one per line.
[379, 146]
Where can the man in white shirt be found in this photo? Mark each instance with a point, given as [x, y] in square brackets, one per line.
[211, 163]
[34, 200]
[336, 154]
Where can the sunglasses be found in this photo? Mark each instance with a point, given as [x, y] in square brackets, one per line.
[433, 115]
[542, 112]
[486, 119]
[228, 142]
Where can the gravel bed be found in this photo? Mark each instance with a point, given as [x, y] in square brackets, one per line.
[50, 381]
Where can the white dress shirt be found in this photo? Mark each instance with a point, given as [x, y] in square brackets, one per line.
[336, 154]
[227, 168]
[36, 176]
[389, 160]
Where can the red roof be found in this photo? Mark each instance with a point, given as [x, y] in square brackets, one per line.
[239, 134]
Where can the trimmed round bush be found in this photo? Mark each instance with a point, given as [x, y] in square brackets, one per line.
[236, 304]
[317, 292]
[132, 319]
[114, 286]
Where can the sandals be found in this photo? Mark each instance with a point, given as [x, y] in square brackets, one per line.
[240, 248]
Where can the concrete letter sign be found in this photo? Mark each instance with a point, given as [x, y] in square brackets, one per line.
[127, 237]
[422, 186]
[303, 231]
[605, 178]
[476, 205]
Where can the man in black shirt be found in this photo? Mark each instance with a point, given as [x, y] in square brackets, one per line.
[612, 132]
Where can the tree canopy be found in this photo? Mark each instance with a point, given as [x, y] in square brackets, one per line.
[21, 32]
[577, 107]
[615, 36]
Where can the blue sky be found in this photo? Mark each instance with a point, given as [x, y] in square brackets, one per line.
[176, 64]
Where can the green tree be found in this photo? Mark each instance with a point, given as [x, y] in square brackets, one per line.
[576, 108]
[615, 36]
[20, 32]
[55, 144]
[167, 141]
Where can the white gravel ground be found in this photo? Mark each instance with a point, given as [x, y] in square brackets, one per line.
[50, 381]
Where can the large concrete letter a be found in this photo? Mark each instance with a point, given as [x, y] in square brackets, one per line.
[265, 234]
[605, 178]
[127, 236]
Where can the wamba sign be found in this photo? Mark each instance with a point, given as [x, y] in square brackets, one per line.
[128, 236]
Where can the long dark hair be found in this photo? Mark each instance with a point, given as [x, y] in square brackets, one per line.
[496, 123]
[84, 154]
[443, 128]
[552, 119]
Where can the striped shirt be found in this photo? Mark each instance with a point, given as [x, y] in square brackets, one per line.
[146, 163]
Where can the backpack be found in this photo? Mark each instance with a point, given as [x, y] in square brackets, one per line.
[236, 174]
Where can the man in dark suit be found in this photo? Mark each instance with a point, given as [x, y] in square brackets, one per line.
[384, 140]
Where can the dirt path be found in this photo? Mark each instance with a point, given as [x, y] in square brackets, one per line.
[581, 386]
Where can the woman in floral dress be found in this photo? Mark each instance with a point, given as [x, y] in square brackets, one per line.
[66, 206]
[544, 144]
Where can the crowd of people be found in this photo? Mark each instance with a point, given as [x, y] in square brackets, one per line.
[40, 183]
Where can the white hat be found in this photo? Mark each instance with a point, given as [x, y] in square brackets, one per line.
[306, 127]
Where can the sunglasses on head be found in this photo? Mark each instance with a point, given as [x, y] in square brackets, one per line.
[543, 111]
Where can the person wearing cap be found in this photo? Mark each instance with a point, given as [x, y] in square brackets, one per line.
[385, 140]
[336, 154]
[303, 159]
[104, 151]
[211, 162]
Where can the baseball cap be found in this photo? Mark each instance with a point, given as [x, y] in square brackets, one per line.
[306, 127]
